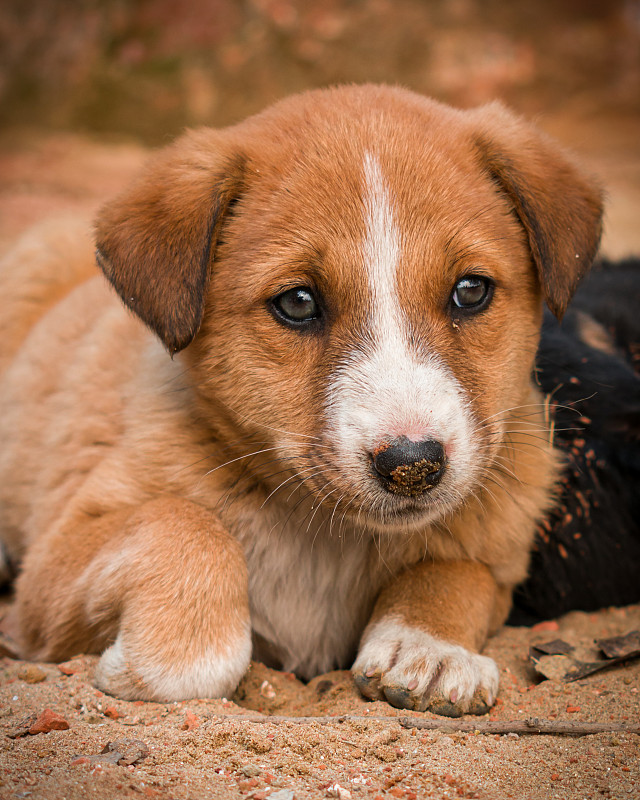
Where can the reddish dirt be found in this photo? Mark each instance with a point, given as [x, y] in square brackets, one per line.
[208, 749]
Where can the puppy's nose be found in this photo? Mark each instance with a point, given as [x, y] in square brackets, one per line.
[409, 468]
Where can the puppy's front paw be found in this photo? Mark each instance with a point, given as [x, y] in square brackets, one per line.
[132, 675]
[413, 669]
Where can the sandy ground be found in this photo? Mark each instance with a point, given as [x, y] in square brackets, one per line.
[209, 748]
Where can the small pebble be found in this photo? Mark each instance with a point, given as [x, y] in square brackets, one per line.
[48, 721]
[191, 721]
[267, 690]
[32, 674]
[335, 790]
[282, 794]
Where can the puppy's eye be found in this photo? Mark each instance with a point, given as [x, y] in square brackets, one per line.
[472, 293]
[296, 307]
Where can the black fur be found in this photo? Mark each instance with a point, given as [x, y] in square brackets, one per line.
[587, 553]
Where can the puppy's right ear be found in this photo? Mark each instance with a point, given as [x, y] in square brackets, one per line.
[156, 242]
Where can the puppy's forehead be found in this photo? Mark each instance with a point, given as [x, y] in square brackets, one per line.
[373, 192]
[324, 174]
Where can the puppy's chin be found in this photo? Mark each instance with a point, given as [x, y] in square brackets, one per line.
[395, 515]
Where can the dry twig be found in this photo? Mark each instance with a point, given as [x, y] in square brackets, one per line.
[524, 727]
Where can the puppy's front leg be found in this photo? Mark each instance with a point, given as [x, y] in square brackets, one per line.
[420, 649]
[163, 587]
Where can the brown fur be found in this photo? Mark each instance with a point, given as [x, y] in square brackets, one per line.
[136, 489]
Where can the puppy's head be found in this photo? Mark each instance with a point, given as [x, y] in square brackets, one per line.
[357, 276]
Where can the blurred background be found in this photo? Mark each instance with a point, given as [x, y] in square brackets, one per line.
[86, 86]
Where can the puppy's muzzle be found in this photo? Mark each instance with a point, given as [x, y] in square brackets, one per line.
[409, 468]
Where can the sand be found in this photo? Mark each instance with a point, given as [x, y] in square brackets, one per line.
[230, 748]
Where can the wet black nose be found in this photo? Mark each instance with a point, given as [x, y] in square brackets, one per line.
[409, 468]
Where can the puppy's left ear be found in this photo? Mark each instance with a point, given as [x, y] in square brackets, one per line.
[156, 243]
[559, 207]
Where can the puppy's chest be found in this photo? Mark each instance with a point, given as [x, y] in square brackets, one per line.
[311, 595]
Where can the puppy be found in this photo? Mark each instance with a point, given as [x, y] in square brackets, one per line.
[346, 456]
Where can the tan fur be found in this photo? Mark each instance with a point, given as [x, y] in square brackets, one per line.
[160, 508]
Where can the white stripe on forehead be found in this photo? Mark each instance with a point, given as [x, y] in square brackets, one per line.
[384, 387]
[381, 245]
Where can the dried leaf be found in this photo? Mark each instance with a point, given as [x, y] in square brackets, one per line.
[567, 669]
[22, 728]
[132, 751]
[124, 752]
[554, 668]
[621, 646]
[556, 647]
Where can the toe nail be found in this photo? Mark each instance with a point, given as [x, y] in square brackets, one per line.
[398, 697]
[413, 684]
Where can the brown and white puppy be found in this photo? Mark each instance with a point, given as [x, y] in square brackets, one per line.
[346, 456]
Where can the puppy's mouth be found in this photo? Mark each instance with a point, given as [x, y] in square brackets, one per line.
[397, 512]
[390, 491]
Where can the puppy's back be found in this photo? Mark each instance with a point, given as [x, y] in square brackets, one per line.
[46, 263]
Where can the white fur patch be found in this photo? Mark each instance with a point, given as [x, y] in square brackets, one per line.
[132, 677]
[401, 659]
[385, 388]
[381, 252]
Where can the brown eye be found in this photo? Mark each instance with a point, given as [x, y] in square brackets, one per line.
[472, 293]
[296, 307]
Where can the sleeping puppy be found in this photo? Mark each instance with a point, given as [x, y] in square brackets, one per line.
[346, 455]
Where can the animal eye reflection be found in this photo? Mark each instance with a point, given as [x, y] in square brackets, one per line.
[472, 293]
[297, 307]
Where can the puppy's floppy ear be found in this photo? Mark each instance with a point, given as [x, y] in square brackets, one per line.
[559, 207]
[155, 243]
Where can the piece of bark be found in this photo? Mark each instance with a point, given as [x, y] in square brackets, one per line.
[621, 646]
[557, 647]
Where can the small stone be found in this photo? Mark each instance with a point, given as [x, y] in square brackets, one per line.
[32, 674]
[191, 721]
[69, 667]
[267, 690]
[546, 625]
[251, 783]
[335, 790]
[282, 794]
[48, 721]
[386, 736]
[249, 770]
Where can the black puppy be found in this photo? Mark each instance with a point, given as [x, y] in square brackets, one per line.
[587, 553]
